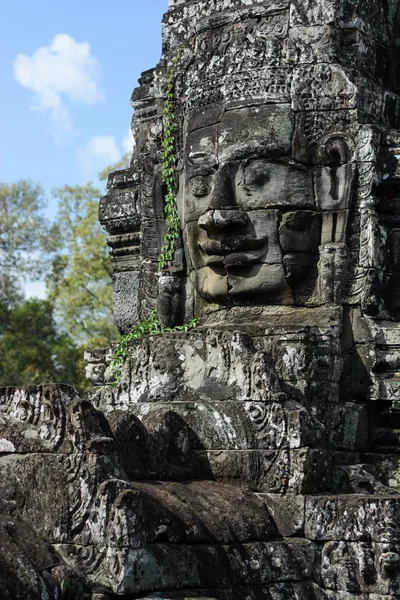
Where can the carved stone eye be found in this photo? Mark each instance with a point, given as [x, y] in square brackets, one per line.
[199, 186]
[256, 175]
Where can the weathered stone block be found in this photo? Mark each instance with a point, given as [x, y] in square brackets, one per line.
[174, 567]
[26, 564]
[203, 512]
[270, 128]
[125, 299]
[119, 211]
[353, 518]
[303, 471]
[388, 466]
[360, 567]
[288, 513]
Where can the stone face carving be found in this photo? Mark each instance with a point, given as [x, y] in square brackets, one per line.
[249, 215]
[257, 456]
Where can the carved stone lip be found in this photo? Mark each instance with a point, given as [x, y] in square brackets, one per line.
[235, 252]
[241, 259]
[237, 244]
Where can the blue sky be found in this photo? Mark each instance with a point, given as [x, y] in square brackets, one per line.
[67, 70]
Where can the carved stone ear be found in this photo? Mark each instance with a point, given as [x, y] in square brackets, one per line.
[333, 193]
[338, 151]
[333, 187]
[333, 190]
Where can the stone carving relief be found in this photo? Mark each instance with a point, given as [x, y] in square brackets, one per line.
[251, 224]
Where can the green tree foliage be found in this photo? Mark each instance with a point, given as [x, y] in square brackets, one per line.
[26, 239]
[79, 284]
[32, 349]
[36, 336]
[42, 341]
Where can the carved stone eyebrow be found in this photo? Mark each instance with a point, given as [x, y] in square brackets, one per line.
[202, 163]
[282, 160]
[198, 156]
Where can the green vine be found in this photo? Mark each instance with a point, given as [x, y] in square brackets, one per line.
[168, 175]
[152, 326]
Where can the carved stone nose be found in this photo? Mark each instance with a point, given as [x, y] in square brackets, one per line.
[222, 212]
[216, 220]
[222, 194]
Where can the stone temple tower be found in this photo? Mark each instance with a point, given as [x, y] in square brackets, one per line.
[257, 456]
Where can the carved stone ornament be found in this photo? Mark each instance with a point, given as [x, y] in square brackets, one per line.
[256, 457]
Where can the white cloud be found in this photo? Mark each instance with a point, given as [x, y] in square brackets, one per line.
[65, 70]
[98, 153]
[103, 151]
[128, 142]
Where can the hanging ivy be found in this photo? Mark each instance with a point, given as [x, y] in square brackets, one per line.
[168, 173]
